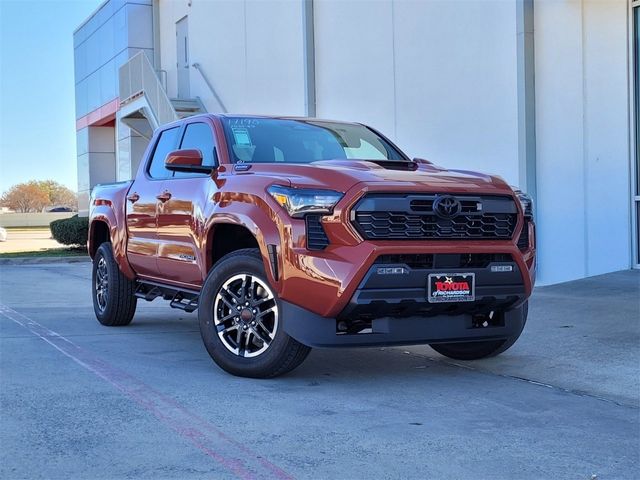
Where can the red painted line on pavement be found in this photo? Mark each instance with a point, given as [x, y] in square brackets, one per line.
[205, 436]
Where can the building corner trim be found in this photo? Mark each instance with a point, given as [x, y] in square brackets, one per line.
[309, 59]
[526, 96]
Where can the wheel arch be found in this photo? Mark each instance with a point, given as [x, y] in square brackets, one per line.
[99, 232]
[103, 227]
[235, 232]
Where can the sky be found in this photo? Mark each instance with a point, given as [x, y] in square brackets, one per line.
[37, 111]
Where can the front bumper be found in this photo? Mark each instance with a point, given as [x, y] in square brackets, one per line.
[326, 282]
[390, 306]
[316, 331]
[396, 285]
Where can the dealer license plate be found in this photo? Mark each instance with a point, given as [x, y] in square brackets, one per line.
[451, 287]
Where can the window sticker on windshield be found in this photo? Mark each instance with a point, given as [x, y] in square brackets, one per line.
[241, 135]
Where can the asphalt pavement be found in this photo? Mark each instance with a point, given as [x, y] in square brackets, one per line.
[79, 400]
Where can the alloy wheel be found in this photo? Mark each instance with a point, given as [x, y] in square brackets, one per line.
[245, 315]
[102, 284]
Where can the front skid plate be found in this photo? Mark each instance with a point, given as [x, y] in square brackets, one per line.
[315, 331]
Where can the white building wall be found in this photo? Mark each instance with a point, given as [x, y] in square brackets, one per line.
[354, 63]
[581, 138]
[456, 84]
[437, 77]
[251, 52]
[607, 137]
[96, 161]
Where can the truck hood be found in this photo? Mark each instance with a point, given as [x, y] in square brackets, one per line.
[342, 175]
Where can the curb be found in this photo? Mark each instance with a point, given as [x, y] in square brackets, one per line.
[43, 260]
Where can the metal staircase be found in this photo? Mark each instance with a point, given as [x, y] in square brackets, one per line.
[187, 107]
[144, 103]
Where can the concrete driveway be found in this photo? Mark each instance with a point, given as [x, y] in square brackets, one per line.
[79, 400]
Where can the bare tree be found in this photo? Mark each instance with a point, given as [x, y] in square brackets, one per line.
[25, 197]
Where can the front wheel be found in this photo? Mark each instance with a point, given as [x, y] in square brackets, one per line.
[482, 349]
[240, 320]
[114, 300]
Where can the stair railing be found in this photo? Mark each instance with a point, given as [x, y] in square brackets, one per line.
[137, 78]
[162, 75]
[198, 67]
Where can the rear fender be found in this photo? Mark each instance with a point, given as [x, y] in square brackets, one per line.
[117, 235]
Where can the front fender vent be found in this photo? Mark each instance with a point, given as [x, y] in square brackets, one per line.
[523, 240]
[316, 237]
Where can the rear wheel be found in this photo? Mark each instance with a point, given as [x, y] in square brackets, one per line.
[240, 320]
[114, 300]
[478, 350]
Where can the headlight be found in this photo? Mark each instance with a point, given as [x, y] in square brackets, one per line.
[526, 201]
[299, 201]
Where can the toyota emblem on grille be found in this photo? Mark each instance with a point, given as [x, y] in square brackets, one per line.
[446, 206]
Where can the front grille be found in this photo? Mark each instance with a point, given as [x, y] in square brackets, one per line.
[398, 226]
[468, 206]
[443, 260]
[316, 236]
[409, 217]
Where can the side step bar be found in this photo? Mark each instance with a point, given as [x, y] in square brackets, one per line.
[186, 300]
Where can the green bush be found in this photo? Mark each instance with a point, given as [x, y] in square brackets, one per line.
[70, 231]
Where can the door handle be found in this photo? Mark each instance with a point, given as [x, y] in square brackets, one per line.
[164, 196]
[133, 198]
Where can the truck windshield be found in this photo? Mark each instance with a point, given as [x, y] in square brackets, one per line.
[274, 140]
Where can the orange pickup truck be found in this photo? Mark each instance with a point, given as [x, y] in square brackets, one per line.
[292, 233]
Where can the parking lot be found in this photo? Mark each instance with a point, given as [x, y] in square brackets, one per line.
[79, 400]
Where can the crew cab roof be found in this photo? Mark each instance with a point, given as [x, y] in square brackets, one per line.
[245, 115]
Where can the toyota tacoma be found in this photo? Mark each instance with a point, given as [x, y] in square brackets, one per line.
[292, 233]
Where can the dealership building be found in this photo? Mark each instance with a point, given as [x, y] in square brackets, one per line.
[541, 92]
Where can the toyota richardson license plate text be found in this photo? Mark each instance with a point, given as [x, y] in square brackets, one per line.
[451, 287]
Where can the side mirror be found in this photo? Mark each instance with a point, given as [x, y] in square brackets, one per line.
[422, 160]
[186, 161]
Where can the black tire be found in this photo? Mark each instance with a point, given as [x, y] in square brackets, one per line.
[117, 307]
[478, 350]
[280, 355]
